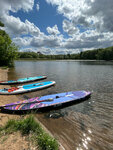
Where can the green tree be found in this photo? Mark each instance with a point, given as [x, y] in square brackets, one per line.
[8, 50]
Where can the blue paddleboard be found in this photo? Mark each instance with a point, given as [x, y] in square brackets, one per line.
[23, 80]
[26, 88]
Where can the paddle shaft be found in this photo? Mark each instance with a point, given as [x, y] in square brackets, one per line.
[25, 103]
[50, 99]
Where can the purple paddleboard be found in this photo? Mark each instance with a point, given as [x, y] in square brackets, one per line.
[53, 100]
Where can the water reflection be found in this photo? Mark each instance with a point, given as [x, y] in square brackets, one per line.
[96, 63]
[85, 141]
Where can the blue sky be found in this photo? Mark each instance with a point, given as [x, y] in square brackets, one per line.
[46, 16]
[58, 26]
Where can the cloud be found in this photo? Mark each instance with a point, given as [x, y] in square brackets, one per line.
[22, 42]
[89, 40]
[88, 13]
[70, 28]
[87, 24]
[46, 41]
[15, 27]
[69, 8]
[15, 5]
[102, 11]
[54, 30]
[37, 7]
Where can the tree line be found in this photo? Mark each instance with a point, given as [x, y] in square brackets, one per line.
[8, 50]
[97, 54]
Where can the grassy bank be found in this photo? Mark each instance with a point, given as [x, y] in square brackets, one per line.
[29, 126]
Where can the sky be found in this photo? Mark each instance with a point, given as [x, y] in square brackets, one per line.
[58, 26]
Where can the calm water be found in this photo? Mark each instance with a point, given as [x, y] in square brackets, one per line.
[87, 125]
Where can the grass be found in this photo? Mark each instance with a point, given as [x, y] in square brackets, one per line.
[29, 126]
[4, 67]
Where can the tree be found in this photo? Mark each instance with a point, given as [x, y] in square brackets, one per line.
[8, 50]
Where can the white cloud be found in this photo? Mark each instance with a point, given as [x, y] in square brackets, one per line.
[87, 12]
[69, 8]
[88, 24]
[54, 30]
[15, 27]
[50, 41]
[102, 10]
[22, 42]
[70, 28]
[32, 29]
[15, 5]
[37, 7]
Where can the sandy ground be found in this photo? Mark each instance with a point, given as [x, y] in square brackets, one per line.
[5, 99]
[13, 141]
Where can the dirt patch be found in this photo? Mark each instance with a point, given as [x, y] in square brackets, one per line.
[14, 141]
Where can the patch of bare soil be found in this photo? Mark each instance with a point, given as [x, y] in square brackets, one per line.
[14, 141]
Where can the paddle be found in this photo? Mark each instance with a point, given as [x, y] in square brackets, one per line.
[27, 102]
[30, 102]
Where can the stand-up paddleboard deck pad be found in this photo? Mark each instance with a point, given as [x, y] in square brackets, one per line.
[23, 80]
[43, 102]
[26, 88]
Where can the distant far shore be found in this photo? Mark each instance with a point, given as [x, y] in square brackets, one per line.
[33, 59]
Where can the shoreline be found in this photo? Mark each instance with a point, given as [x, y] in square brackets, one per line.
[5, 99]
[33, 59]
[4, 117]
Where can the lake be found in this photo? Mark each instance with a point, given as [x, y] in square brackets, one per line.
[87, 125]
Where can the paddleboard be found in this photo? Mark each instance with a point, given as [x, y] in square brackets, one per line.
[22, 80]
[26, 88]
[43, 102]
